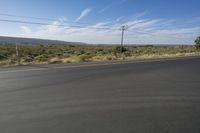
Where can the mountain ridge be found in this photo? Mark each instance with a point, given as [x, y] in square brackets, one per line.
[32, 41]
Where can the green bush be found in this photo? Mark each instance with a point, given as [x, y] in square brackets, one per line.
[3, 55]
[81, 53]
[42, 58]
[197, 41]
[85, 57]
[119, 49]
[28, 59]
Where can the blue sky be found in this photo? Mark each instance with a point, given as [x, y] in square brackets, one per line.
[149, 21]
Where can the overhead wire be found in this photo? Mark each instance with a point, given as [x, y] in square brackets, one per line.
[155, 35]
[20, 16]
[59, 25]
[87, 25]
[49, 19]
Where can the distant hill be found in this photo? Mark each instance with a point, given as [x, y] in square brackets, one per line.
[14, 40]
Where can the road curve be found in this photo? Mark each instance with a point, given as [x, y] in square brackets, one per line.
[143, 97]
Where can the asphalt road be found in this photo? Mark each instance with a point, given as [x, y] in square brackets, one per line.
[145, 97]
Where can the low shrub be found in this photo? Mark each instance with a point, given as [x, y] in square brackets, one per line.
[42, 58]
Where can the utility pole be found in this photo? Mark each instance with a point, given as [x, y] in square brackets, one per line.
[17, 53]
[124, 27]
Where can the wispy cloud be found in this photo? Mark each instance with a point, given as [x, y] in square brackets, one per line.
[141, 31]
[25, 29]
[140, 14]
[194, 20]
[62, 19]
[118, 19]
[84, 13]
[109, 6]
[105, 8]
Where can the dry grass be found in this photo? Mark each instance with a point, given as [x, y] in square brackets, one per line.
[53, 54]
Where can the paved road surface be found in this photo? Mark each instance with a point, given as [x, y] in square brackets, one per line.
[146, 97]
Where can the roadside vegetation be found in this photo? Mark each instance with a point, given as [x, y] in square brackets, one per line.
[197, 41]
[39, 54]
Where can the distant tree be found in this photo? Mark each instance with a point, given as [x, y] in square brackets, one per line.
[197, 41]
[119, 49]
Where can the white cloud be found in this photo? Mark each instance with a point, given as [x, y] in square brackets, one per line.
[141, 24]
[165, 36]
[119, 19]
[62, 19]
[140, 14]
[83, 14]
[105, 9]
[25, 30]
[141, 31]
[194, 20]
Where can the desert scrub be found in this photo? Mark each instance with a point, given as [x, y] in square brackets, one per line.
[42, 58]
[55, 60]
[84, 53]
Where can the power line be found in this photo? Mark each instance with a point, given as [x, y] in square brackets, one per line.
[71, 26]
[59, 25]
[20, 16]
[26, 22]
[162, 36]
[79, 26]
[88, 27]
[48, 19]
[65, 21]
